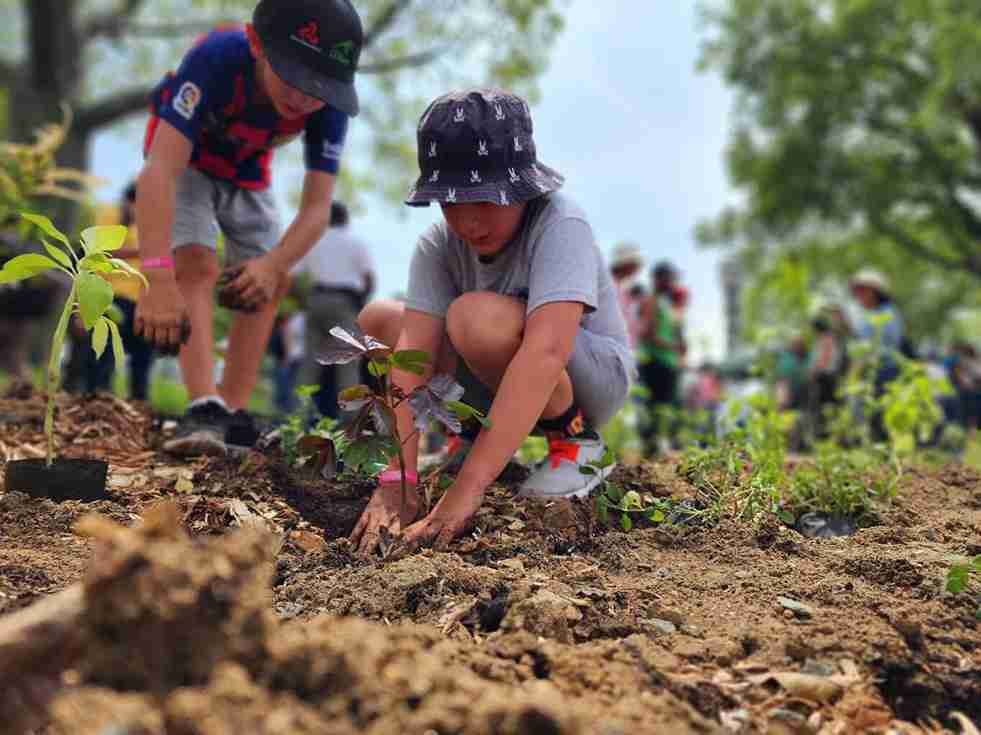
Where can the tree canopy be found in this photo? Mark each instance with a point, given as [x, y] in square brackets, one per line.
[855, 139]
[101, 57]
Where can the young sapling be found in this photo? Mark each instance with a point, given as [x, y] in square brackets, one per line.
[89, 296]
[373, 435]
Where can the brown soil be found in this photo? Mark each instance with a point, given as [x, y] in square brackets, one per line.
[539, 621]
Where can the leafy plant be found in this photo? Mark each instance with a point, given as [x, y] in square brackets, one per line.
[90, 295]
[841, 481]
[373, 436]
[611, 497]
[29, 170]
[959, 574]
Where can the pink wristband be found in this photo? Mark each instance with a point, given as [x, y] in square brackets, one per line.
[163, 261]
[396, 476]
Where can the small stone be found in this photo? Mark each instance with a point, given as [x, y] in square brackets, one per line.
[798, 609]
[663, 626]
[513, 565]
[818, 668]
[788, 614]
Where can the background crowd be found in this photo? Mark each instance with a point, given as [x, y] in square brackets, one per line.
[807, 370]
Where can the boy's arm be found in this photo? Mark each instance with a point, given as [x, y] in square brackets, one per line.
[259, 279]
[528, 383]
[161, 311]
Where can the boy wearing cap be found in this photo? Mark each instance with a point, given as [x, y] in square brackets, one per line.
[238, 94]
[511, 293]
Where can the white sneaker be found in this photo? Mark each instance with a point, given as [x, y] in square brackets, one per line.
[559, 475]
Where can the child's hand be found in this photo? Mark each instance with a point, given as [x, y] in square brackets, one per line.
[450, 518]
[383, 511]
[249, 286]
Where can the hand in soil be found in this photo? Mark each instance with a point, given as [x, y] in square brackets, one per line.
[385, 510]
[450, 518]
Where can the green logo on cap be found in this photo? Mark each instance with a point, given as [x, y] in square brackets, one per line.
[342, 53]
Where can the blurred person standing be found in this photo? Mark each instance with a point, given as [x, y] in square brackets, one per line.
[680, 296]
[659, 356]
[827, 363]
[964, 372]
[342, 277]
[790, 374]
[881, 323]
[625, 264]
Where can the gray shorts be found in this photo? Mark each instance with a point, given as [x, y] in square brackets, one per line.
[600, 379]
[203, 206]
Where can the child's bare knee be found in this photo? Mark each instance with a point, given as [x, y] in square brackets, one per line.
[480, 321]
[381, 319]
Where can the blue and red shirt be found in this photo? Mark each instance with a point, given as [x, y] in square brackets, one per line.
[210, 100]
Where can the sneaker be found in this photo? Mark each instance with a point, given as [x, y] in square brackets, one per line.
[241, 429]
[559, 476]
[457, 449]
[200, 431]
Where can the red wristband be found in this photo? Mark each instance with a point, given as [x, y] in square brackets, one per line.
[163, 261]
[396, 476]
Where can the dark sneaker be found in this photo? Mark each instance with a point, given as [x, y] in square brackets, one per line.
[241, 430]
[201, 432]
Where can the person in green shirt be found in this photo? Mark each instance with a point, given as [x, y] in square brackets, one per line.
[659, 349]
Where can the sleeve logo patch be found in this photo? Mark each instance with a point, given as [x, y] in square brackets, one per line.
[332, 151]
[187, 100]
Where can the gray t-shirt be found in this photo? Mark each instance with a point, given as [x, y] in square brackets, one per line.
[553, 257]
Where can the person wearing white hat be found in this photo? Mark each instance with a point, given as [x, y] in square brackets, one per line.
[625, 262]
[880, 321]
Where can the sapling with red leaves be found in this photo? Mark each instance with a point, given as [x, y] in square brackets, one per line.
[374, 434]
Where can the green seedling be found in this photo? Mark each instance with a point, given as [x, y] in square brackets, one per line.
[959, 574]
[90, 295]
[373, 437]
[611, 497]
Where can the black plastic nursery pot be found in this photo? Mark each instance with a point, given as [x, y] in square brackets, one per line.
[65, 479]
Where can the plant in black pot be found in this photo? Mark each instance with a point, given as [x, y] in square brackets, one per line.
[90, 297]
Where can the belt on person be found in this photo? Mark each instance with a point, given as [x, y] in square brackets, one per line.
[357, 297]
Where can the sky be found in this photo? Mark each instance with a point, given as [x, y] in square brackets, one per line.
[638, 133]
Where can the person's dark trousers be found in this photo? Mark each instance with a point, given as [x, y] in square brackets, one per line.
[140, 353]
[98, 370]
[327, 308]
[661, 382]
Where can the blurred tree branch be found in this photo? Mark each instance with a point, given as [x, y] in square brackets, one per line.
[114, 22]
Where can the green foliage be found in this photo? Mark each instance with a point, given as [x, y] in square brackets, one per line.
[29, 171]
[959, 574]
[624, 506]
[373, 439]
[840, 481]
[855, 143]
[90, 295]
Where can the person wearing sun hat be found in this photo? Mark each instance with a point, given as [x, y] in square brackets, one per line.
[510, 292]
[626, 261]
[881, 322]
[238, 94]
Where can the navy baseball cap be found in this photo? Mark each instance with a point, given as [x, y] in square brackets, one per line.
[314, 46]
[477, 146]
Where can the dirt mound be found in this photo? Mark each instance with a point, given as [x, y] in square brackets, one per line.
[177, 637]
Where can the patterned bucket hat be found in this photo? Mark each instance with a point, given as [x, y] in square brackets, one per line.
[477, 146]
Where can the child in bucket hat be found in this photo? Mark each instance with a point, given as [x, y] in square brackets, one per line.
[511, 292]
